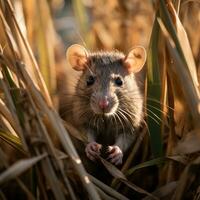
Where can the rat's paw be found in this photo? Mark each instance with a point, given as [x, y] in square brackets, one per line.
[116, 155]
[92, 150]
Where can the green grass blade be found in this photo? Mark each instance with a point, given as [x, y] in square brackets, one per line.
[154, 91]
[156, 161]
[15, 93]
[13, 141]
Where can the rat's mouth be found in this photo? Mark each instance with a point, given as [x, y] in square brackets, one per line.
[108, 111]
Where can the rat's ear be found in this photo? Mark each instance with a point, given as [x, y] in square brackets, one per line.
[135, 59]
[77, 57]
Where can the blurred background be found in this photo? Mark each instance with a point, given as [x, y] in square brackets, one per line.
[104, 24]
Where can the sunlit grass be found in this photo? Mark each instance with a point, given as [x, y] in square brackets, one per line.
[31, 129]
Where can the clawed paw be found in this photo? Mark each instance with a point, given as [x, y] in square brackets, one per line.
[92, 150]
[115, 155]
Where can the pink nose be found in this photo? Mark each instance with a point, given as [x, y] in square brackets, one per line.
[103, 103]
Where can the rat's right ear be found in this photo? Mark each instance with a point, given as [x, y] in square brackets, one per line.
[77, 57]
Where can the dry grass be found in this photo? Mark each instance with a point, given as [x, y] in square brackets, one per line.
[163, 164]
[27, 111]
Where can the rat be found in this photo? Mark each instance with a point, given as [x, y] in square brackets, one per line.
[108, 102]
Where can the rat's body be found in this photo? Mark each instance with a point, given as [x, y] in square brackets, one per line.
[108, 103]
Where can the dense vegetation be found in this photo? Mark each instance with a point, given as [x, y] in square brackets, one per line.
[164, 162]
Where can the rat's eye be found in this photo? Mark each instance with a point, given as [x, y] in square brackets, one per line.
[90, 80]
[118, 81]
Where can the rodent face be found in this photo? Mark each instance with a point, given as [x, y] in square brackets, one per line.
[108, 86]
[103, 82]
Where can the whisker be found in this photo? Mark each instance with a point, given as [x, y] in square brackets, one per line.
[158, 110]
[115, 122]
[148, 98]
[120, 120]
[130, 115]
[128, 124]
[156, 101]
[154, 114]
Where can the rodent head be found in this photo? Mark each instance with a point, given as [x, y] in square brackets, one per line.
[107, 84]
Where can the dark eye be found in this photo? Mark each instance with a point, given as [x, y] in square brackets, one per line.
[90, 80]
[118, 81]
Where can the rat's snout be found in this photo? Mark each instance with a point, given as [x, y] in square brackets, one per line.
[103, 103]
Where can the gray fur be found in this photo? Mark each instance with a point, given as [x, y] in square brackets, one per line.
[127, 100]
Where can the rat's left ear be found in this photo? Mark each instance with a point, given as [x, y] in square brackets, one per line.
[135, 59]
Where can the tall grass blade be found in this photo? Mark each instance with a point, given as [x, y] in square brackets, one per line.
[154, 91]
[190, 91]
[13, 141]
[156, 161]
[19, 167]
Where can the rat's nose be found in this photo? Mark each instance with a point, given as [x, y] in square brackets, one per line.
[103, 103]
